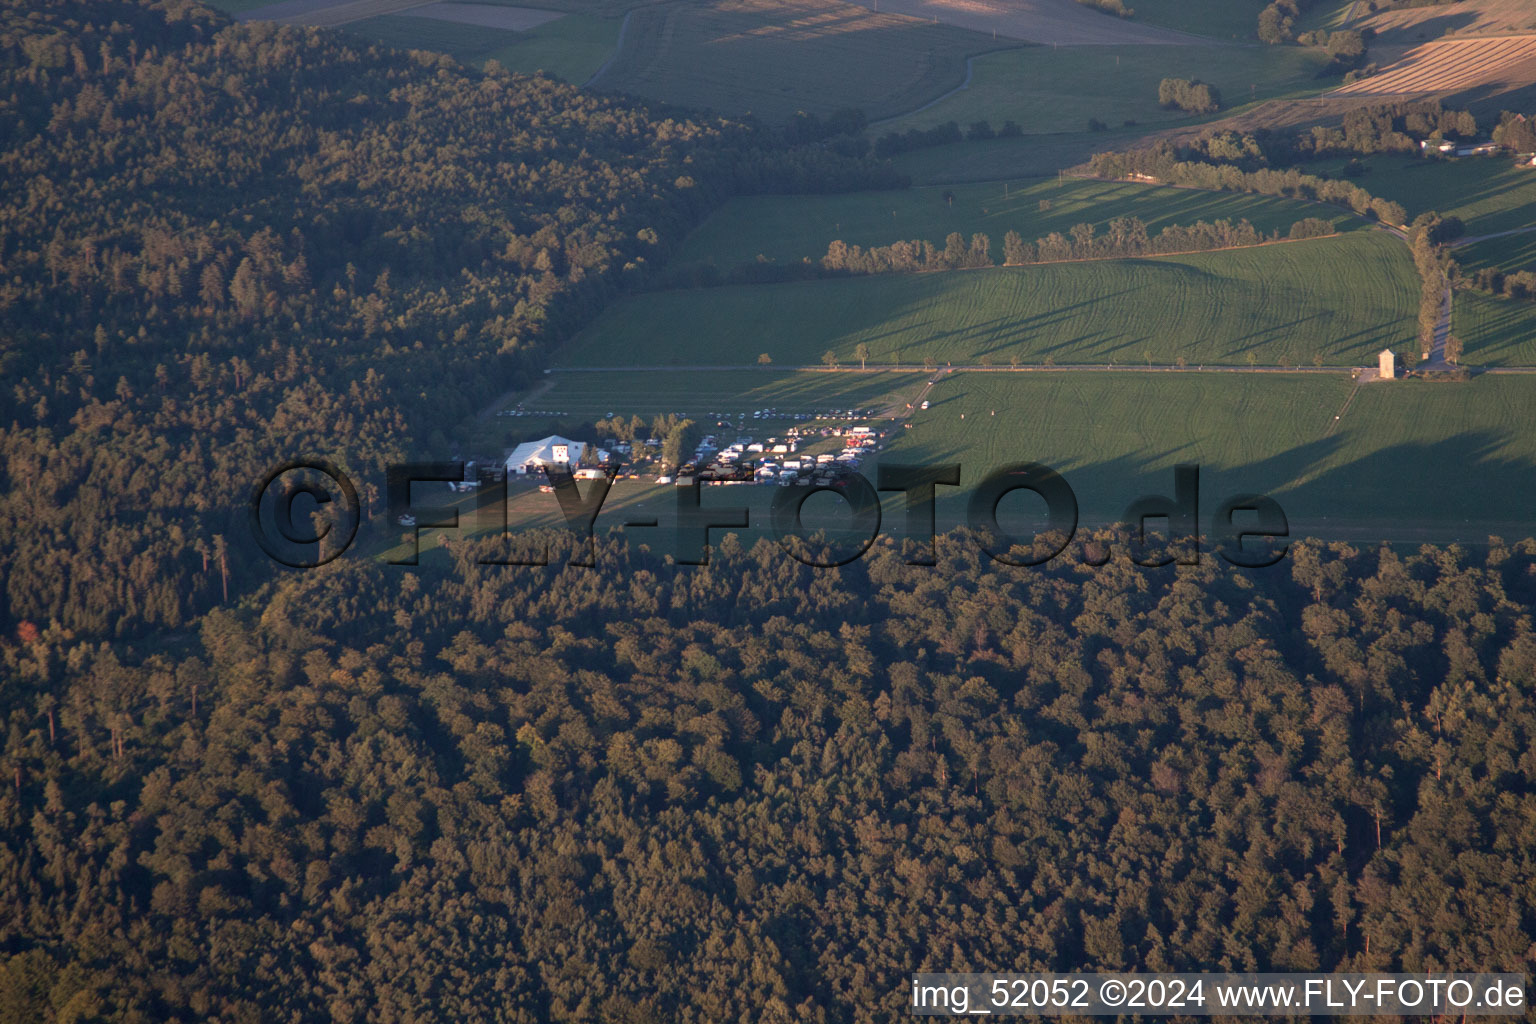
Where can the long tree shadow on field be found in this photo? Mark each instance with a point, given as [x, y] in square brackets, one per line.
[1458, 488]
[1011, 328]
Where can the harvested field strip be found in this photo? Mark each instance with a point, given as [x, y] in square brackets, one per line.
[1448, 66]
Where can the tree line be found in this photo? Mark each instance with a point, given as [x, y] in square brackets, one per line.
[1364, 131]
[1162, 163]
[1123, 238]
[894, 143]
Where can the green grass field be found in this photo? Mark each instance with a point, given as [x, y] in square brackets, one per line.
[1490, 194]
[1512, 252]
[582, 397]
[708, 394]
[775, 57]
[1405, 456]
[1408, 462]
[1341, 298]
[789, 228]
[572, 47]
[1496, 332]
[1045, 89]
[1220, 19]
[1030, 156]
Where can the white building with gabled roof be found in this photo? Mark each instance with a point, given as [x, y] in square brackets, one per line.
[553, 450]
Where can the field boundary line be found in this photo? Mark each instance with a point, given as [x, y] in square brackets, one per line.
[970, 69]
[618, 44]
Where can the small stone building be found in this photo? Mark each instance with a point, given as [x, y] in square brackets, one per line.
[1386, 364]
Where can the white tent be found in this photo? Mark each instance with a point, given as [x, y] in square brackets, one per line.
[550, 451]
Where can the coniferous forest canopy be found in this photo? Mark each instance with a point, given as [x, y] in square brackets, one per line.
[750, 791]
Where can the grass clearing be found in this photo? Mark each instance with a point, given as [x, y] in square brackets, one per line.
[1046, 90]
[789, 228]
[572, 47]
[1409, 462]
[775, 57]
[1341, 298]
[1406, 456]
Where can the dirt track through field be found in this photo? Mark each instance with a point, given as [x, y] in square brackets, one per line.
[1453, 66]
[1050, 22]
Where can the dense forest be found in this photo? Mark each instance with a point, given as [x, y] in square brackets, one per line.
[756, 791]
[750, 791]
[224, 246]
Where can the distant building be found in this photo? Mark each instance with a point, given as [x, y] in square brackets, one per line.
[1387, 364]
[551, 451]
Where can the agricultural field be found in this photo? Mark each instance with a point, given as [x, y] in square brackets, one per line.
[577, 399]
[785, 229]
[1411, 25]
[1407, 461]
[327, 13]
[515, 19]
[1454, 66]
[1503, 252]
[1495, 332]
[1046, 90]
[1029, 156]
[571, 47]
[1228, 20]
[1489, 194]
[775, 57]
[1335, 299]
